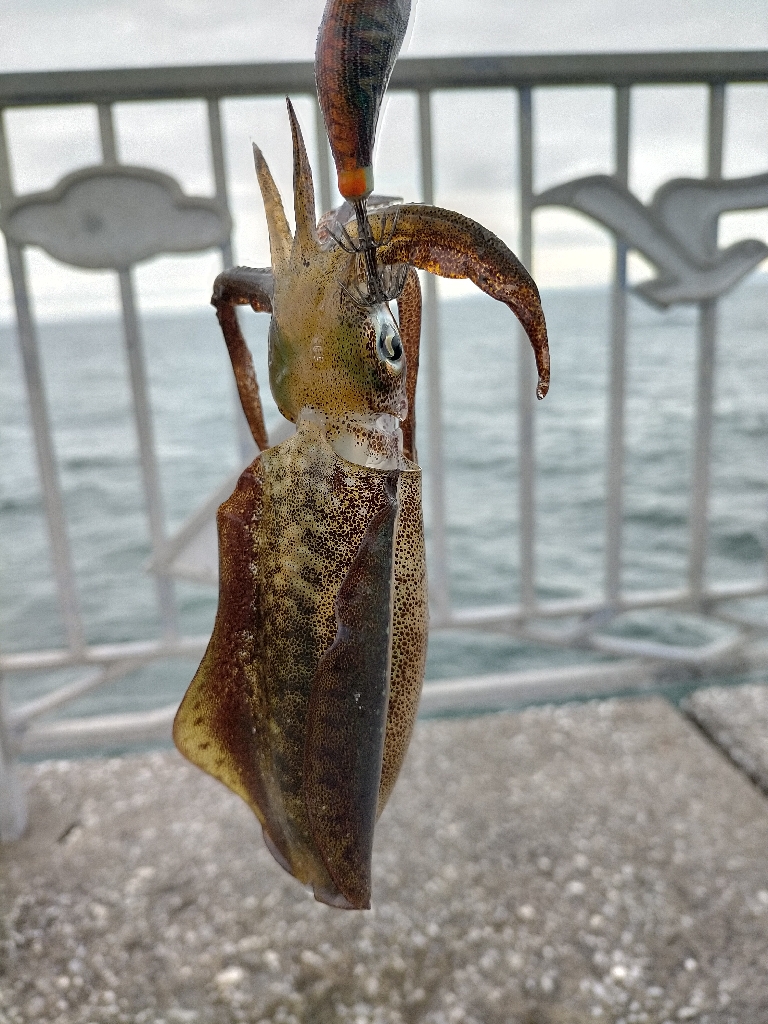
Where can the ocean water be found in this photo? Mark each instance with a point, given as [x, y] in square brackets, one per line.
[192, 398]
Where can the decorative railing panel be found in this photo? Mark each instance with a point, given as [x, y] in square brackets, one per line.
[112, 215]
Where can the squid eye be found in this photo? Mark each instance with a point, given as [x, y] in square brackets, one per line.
[389, 347]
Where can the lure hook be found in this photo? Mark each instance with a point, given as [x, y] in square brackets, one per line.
[382, 283]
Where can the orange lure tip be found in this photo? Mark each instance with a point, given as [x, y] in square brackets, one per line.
[356, 183]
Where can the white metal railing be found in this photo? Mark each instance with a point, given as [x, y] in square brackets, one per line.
[422, 77]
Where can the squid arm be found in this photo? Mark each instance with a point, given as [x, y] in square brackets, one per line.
[244, 286]
[409, 321]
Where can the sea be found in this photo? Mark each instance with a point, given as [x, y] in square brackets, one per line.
[193, 406]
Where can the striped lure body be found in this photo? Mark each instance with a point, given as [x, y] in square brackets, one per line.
[357, 46]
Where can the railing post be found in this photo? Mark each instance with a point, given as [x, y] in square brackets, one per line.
[705, 375]
[438, 575]
[150, 472]
[245, 445]
[323, 162]
[53, 501]
[614, 497]
[526, 378]
[13, 809]
[216, 137]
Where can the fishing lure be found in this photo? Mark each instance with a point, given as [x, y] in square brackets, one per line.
[305, 700]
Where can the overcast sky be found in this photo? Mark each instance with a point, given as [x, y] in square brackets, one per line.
[474, 136]
[45, 34]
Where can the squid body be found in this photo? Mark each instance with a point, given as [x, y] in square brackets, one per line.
[305, 700]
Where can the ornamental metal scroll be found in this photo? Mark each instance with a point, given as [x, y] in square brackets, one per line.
[110, 218]
[676, 232]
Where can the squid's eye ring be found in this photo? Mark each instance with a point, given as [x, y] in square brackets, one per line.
[389, 347]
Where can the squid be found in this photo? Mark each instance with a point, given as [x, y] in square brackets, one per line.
[306, 698]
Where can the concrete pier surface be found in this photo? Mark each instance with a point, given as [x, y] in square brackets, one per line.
[602, 862]
[736, 719]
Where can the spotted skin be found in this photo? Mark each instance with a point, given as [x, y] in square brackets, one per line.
[288, 537]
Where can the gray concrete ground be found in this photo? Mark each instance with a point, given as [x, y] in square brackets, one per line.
[736, 718]
[599, 862]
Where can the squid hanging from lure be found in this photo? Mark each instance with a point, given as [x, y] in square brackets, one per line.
[305, 700]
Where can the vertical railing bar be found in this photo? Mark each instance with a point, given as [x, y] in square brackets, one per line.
[150, 473]
[245, 445]
[705, 373]
[53, 502]
[13, 805]
[438, 577]
[614, 499]
[216, 137]
[526, 378]
[715, 133]
[323, 161]
[107, 133]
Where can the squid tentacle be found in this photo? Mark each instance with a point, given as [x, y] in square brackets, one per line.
[452, 245]
[245, 286]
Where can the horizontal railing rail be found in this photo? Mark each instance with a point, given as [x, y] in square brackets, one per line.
[421, 76]
[414, 74]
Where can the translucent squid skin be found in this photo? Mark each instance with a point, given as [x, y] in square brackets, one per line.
[306, 698]
[357, 46]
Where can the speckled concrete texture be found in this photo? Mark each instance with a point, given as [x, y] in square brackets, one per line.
[736, 718]
[601, 862]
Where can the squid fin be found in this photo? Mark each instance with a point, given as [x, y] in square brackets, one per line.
[218, 726]
[347, 715]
